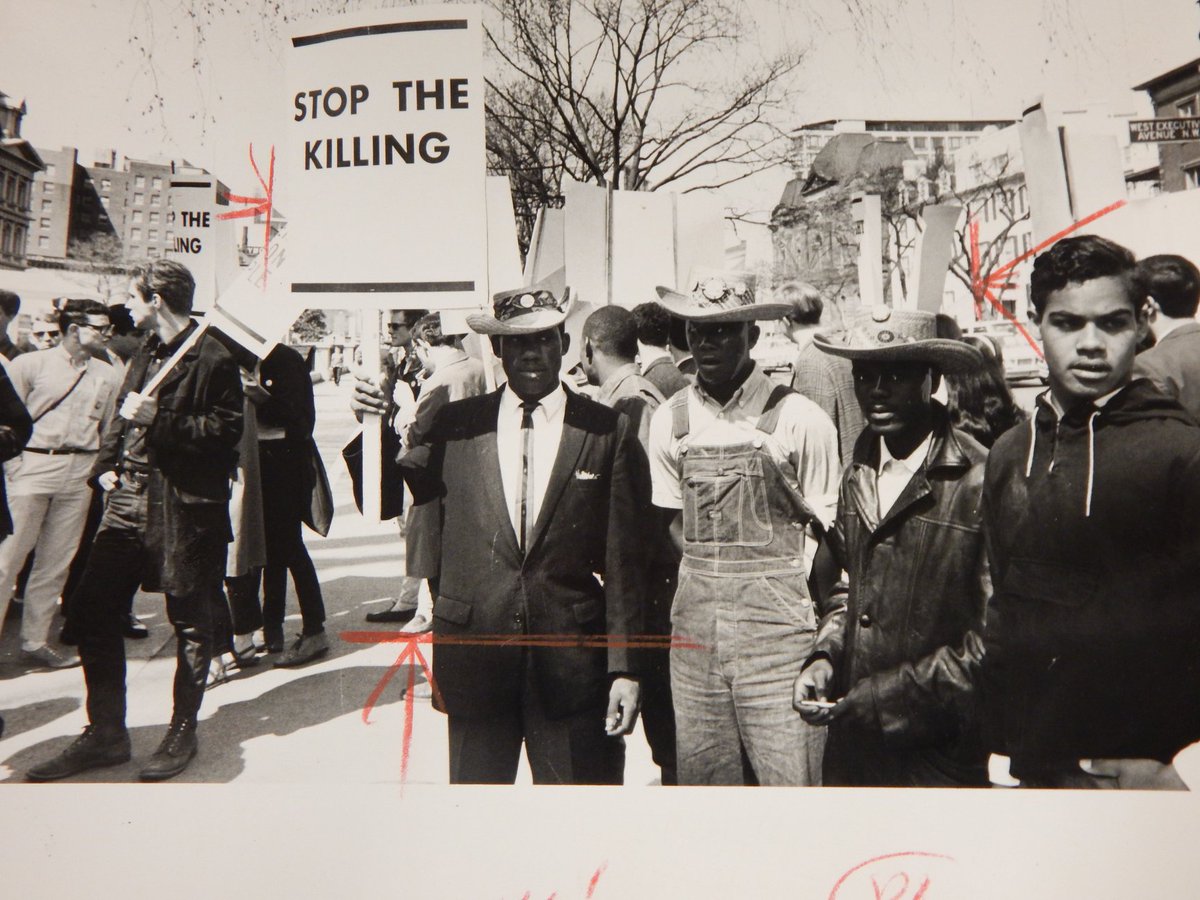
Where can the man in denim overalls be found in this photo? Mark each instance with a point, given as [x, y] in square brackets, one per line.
[748, 473]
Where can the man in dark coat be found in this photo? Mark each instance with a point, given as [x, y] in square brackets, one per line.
[530, 491]
[165, 464]
[1092, 671]
[1173, 363]
[903, 651]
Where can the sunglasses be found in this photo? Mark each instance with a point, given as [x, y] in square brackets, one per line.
[54, 333]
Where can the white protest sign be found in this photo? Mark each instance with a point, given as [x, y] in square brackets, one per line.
[257, 308]
[199, 239]
[1162, 224]
[935, 249]
[384, 165]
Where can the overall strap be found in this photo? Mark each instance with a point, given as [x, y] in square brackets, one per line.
[769, 420]
[680, 424]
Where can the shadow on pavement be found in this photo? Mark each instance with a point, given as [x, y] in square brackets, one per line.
[32, 716]
[291, 707]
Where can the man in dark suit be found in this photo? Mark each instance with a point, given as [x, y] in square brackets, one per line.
[1173, 363]
[530, 493]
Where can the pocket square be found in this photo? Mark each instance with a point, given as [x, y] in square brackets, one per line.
[585, 475]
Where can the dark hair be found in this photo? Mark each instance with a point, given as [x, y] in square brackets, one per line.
[411, 316]
[10, 303]
[74, 311]
[653, 324]
[169, 279]
[807, 307]
[613, 331]
[429, 329]
[980, 402]
[1081, 258]
[1173, 282]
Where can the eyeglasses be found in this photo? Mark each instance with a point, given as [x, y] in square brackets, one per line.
[396, 326]
[106, 329]
[42, 334]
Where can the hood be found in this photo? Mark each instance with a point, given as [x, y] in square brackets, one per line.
[1137, 401]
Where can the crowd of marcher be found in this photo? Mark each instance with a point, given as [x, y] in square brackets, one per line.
[883, 573]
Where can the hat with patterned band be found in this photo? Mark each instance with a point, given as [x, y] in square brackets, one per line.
[715, 296]
[522, 311]
[898, 335]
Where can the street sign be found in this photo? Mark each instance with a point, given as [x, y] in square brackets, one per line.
[1149, 131]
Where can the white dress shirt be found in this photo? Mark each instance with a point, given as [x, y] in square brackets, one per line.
[547, 432]
[895, 474]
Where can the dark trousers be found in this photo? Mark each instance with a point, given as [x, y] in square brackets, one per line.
[284, 497]
[572, 750]
[244, 608]
[111, 578]
[658, 711]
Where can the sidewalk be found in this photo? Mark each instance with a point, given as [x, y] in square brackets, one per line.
[317, 707]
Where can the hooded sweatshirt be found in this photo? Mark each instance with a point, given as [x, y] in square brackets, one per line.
[1092, 643]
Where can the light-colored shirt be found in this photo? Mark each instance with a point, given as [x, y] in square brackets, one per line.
[895, 474]
[41, 378]
[547, 433]
[805, 438]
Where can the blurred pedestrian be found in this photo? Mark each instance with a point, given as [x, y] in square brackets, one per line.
[979, 400]
[166, 465]
[72, 396]
[654, 349]
[1173, 363]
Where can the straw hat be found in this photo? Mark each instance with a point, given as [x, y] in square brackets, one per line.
[900, 335]
[716, 296]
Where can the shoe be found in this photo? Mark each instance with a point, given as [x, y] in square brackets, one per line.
[178, 747]
[391, 615]
[50, 658]
[91, 750]
[136, 629]
[418, 625]
[305, 649]
[244, 659]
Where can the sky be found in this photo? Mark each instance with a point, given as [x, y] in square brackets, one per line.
[139, 77]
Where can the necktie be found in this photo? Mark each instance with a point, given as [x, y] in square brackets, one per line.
[526, 464]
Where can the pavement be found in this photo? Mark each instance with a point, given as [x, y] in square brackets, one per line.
[269, 726]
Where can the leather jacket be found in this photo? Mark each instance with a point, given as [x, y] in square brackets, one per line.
[907, 640]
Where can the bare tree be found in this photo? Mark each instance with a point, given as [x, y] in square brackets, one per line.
[619, 93]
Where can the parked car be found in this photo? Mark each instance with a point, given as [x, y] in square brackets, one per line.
[1021, 360]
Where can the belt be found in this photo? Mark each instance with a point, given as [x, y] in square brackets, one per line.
[58, 451]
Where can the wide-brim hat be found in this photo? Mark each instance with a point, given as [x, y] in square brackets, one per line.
[885, 334]
[715, 296]
[523, 310]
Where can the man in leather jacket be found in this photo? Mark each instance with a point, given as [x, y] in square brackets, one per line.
[903, 652]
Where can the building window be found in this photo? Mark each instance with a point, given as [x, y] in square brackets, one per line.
[47, 205]
[152, 252]
[47, 187]
[139, 182]
[1187, 107]
[920, 143]
[105, 184]
[44, 223]
[104, 202]
[170, 237]
[135, 234]
[137, 216]
[43, 242]
[50, 170]
[955, 143]
[1026, 242]
[139, 199]
[156, 183]
[1191, 176]
[153, 218]
[152, 234]
[1022, 199]
[156, 199]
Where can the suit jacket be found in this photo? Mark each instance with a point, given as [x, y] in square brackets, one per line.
[588, 526]
[1173, 364]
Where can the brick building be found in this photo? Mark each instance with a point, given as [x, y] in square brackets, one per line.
[19, 163]
[1176, 94]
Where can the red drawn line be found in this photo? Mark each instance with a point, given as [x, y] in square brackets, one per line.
[975, 284]
[632, 641]
[256, 206]
[595, 880]
[999, 274]
[862, 865]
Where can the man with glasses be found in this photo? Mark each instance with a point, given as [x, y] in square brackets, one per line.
[45, 332]
[71, 396]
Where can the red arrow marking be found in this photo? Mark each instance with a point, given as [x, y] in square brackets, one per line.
[256, 205]
[412, 657]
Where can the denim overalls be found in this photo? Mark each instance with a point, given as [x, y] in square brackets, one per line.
[743, 595]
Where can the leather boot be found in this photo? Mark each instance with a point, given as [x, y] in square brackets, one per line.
[178, 747]
[94, 749]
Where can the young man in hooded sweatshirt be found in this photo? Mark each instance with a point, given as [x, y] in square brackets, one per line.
[1092, 646]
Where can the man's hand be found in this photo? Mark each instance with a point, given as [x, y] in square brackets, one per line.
[107, 481]
[813, 684]
[252, 389]
[139, 409]
[1136, 774]
[624, 701]
[370, 395]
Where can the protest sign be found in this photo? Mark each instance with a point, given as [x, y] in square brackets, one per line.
[199, 238]
[384, 165]
[935, 248]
